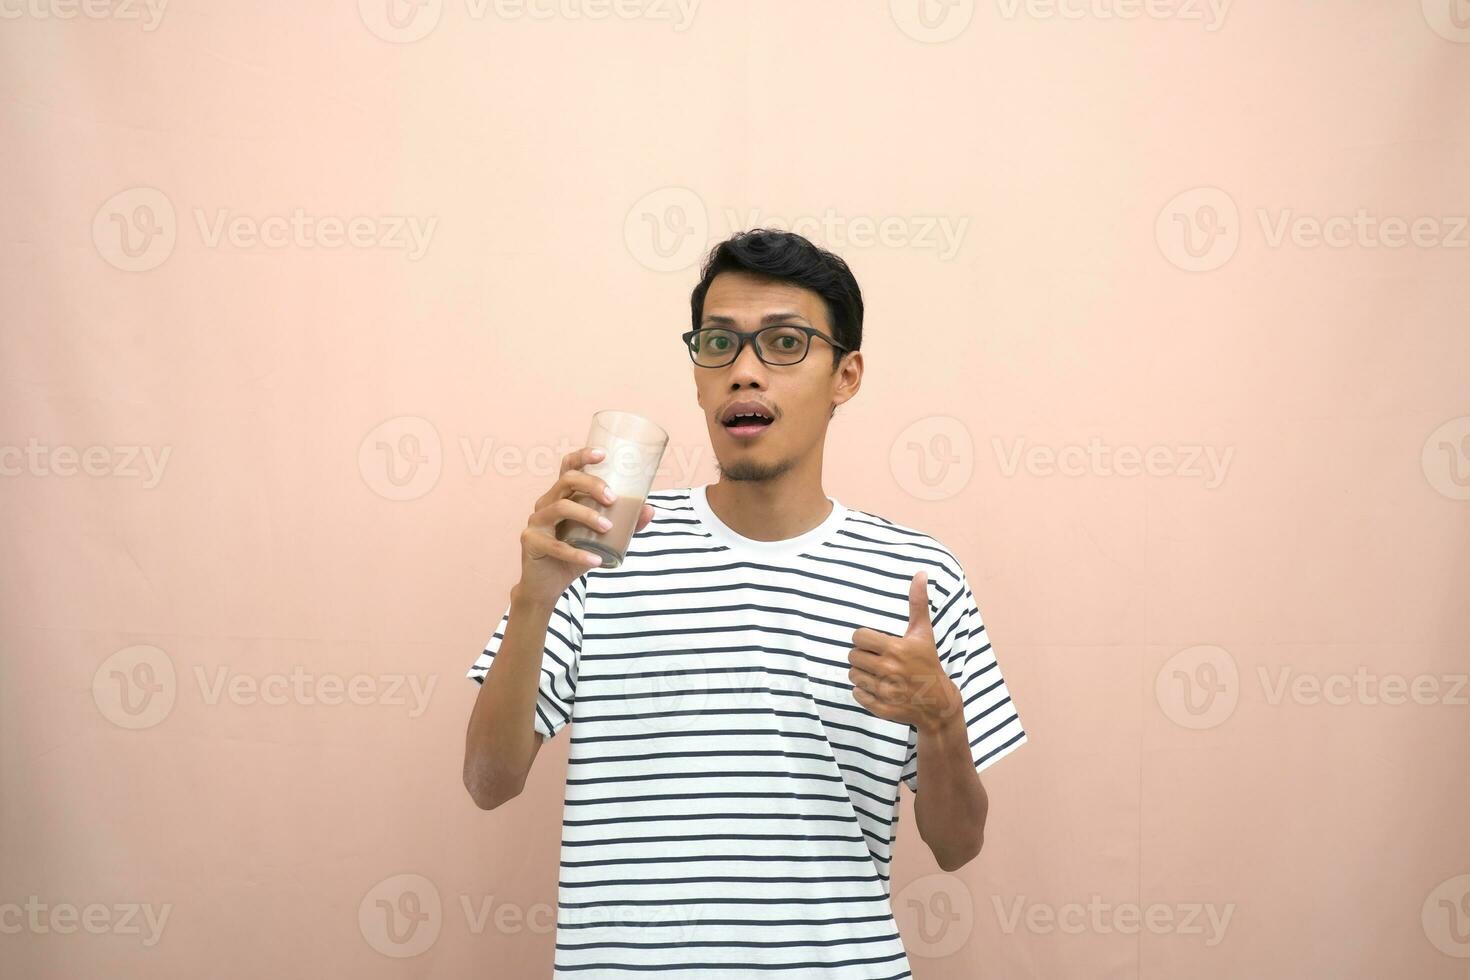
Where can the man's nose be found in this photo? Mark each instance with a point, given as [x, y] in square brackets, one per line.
[747, 369]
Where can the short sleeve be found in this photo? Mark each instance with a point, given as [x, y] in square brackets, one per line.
[964, 648]
[558, 684]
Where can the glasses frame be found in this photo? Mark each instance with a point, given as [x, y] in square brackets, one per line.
[748, 337]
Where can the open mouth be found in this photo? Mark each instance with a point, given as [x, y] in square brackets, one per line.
[746, 422]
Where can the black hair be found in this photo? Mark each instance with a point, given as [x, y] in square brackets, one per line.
[788, 257]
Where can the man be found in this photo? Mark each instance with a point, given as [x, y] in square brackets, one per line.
[750, 686]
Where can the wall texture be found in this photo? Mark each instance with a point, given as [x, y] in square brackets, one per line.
[1166, 338]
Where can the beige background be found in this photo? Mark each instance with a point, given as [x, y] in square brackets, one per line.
[262, 481]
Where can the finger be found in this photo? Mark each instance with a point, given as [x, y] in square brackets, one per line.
[573, 555]
[564, 509]
[919, 621]
[863, 678]
[870, 639]
[873, 704]
[576, 482]
[582, 457]
[540, 546]
[865, 660]
[644, 517]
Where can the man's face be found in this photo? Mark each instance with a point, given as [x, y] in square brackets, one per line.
[799, 397]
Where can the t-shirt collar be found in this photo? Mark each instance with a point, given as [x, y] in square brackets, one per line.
[784, 548]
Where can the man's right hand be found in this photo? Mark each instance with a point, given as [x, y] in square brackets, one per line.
[548, 565]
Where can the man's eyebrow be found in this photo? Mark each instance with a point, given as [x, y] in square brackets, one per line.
[768, 318]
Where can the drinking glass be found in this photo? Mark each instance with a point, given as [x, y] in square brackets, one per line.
[634, 447]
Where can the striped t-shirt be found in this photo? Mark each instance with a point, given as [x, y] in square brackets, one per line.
[730, 809]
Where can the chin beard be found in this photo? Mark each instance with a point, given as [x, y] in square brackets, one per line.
[750, 470]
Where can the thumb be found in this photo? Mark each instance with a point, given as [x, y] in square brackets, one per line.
[919, 622]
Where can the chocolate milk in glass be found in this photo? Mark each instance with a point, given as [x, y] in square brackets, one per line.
[635, 447]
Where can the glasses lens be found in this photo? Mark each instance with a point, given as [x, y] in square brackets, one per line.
[712, 346]
[782, 345]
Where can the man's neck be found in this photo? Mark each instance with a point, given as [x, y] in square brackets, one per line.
[770, 510]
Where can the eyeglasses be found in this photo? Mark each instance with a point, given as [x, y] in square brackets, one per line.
[778, 345]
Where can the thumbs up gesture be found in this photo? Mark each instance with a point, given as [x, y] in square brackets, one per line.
[900, 678]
